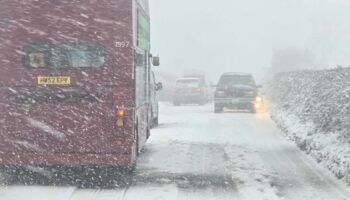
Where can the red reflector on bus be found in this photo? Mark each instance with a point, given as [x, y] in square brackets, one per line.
[120, 123]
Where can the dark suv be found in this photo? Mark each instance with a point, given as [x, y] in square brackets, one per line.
[236, 91]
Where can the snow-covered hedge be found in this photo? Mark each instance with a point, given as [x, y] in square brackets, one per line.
[313, 107]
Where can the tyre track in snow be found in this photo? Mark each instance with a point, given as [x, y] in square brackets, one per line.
[197, 170]
[292, 173]
[297, 176]
[188, 165]
[202, 141]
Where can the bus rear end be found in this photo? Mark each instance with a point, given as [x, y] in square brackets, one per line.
[66, 83]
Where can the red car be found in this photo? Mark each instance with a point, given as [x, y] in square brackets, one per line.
[73, 82]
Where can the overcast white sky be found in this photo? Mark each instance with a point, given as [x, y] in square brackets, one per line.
[241, 35]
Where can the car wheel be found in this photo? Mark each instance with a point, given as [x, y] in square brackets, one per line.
[218, 109]
[201, 102]
[148, 134]
[176, 103]
[155, 121]
[252, 110]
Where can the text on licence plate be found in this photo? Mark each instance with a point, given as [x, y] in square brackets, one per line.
[54, 80]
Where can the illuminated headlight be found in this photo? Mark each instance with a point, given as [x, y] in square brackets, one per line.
[257, 105]
[258, 99]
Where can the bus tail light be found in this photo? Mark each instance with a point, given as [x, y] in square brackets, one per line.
[120, 112]
[120, 117]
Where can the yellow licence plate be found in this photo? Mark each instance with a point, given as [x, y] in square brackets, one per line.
[54, 80]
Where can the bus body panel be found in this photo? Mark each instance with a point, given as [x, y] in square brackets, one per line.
[71, 123]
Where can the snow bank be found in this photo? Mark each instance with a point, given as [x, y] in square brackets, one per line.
[313, 108]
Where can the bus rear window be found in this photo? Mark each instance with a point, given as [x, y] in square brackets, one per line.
[64, 55]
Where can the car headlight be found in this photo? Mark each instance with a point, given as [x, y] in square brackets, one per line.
[258, 105]
[258, 99]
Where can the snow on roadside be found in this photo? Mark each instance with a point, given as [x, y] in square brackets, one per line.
[312, 107]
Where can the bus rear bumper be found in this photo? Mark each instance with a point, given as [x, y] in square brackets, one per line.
[122, 159]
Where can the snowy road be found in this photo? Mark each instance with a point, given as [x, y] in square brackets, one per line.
[196, 154]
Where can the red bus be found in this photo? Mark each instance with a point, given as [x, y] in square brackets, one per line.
[74, 82]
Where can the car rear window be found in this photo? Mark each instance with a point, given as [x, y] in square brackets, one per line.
[237, 80]
[187, 83]
[64, 55]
